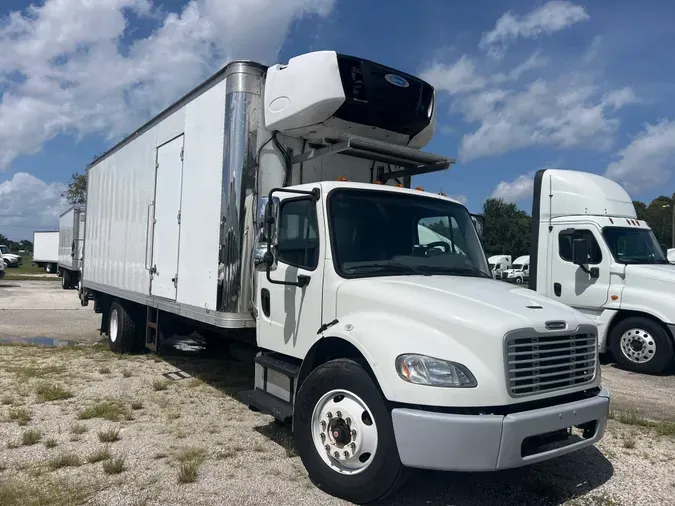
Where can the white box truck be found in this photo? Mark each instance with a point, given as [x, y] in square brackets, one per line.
[46, 250]
[251, 209]
[498, 264]
[71, 243]
[590, 252]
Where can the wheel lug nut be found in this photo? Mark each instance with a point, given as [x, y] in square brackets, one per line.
[346, 455]
[353, 432]
[323, 437]
[323, 424]
[327, 447]
[348, 421]
[353, 445]
[339, 414]
[330, 415]
[337, 455]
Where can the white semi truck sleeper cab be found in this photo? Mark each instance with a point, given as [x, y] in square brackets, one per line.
[272, 206]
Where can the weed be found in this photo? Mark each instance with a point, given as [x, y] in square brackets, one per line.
[31, 371]
[634, 418]
[665, 428]
[191, 453]
[78, 428]
[13, 444]
[47, 392]
[126, 373]
[194, 383]
[159, 456]
[114, 465]
[104, 370]
[109, 436]
[6, 401]
[187, 472]
[259, 448]
[99, 455]
[20, 415]
[31, 437]
[64, 460]
[226, 454]
[174, 415]
[111, 410]
[160, 384]
[629, 442]
[18, 491]
[50, 443]
[137, 405]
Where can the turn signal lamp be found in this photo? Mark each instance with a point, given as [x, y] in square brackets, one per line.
[342, 178]
[377, 182]
[419, 188]
[399, 185]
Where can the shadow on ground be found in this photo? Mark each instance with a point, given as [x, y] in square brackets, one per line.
[548, 483]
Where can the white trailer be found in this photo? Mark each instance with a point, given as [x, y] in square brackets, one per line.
[46, 249]
[71, 244]
[251, 210]
[591, 252]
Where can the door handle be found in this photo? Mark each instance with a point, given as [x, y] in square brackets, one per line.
[557, 289]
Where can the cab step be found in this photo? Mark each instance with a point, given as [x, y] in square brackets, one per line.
[267, 403]
[287, 366]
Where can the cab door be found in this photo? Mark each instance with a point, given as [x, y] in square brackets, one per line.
[289, 316]
[571, 285]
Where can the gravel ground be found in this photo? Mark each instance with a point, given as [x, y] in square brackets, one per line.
[244, 457]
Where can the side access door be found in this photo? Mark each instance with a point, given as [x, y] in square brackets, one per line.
[166, 230]
[290, 316]
[569, 283]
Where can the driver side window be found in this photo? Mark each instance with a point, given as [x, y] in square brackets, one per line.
[566, 240]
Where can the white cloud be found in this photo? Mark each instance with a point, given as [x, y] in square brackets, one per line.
[516, 190]
[64, 68]
[27, 204]
[551, 17]
[647, 161]
[565, 113]
[460, 77]
[462, 199]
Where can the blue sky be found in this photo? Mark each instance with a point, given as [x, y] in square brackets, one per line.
[521, 84]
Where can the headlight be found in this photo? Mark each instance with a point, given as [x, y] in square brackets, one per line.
[424, 370]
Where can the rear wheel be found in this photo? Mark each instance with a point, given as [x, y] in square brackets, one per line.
[344, 434]
[123, 335]
[66, 282]
[641, 345]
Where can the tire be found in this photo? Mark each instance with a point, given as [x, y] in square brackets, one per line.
[49, 269]
[6, 262]
[123, 335]
[66, 282]
[383, 473]
[519, 281]
[641, 345]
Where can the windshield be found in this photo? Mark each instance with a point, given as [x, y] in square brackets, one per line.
[4, 249]
[492, 266]
[517, 267]
[634, 245]
[376, 233]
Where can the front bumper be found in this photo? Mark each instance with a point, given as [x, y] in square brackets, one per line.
[450, 442]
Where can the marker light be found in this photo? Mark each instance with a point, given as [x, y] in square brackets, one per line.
[378, 182]
[399, 185]
[419, 188]
[342, 178]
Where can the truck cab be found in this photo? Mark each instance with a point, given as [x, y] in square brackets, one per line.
[591, 252]
[519, 272]
[498, 264]
[9, 259]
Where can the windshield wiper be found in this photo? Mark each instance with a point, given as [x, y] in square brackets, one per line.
[385, 265]
[460, 271]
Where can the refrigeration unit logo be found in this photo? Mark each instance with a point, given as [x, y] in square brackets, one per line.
[556, 325]
[399, 81]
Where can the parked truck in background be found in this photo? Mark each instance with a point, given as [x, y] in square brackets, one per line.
[272, 206]
[498, 264]
[590, 251]
[8, 258]
[71, 242]
[46, 250]
[519, 272]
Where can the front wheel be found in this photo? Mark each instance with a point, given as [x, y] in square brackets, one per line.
[344, 434]
[641, 345]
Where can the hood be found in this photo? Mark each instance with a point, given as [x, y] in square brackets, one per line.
[657, 272]
[10, 255]
[456, 302]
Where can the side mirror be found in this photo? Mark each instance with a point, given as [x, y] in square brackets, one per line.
[479, 224]
[267, 225]
[580, 252]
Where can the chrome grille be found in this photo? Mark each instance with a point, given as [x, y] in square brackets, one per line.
[544, 363]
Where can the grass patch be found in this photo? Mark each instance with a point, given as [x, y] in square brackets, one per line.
[113, 465]
[78, 428]
[191, 453]
[99, 455]
[31, 437]
[46, 393]
[64, 460]
[32, 371]
[50, 443]
[665, 428]
[160, 384]
[109, 436]
[104, 370]
[634, 418]
[20, 415]
[6, 401]
[629, 442]
[18, 491]
[226, 454]
[188, 471]
[136, 405]
[111, 410]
